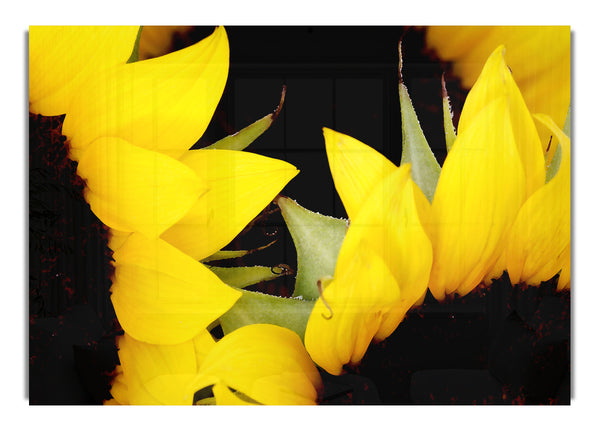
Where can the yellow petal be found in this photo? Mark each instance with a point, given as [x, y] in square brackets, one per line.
[61, 58]
[169, 390]
[163, 296]
[539, 58]
[564, 280]
[267, 363]
[157, 40]
[389, 225]
[159, 374]
[163, 104]
[382, 270]
[355, 167]
[133, 189]
[119, 390]
[117, 238]
[347, 317]
[225, 397]
[542, 228]
[495, 82]
[480, 190]
[452, 42]
[240, 186]
[203, 343]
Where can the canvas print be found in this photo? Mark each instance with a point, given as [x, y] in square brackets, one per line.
[297, 215]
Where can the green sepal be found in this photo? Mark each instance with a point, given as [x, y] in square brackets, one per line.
[567, 126]
[135, 53]
[555, 163]
[233, 254]
[318, 239]
[255, 307]
[240, 140]
[449, 131]
[244, 276]
[425, 169]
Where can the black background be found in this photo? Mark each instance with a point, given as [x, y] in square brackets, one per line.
[498, 345]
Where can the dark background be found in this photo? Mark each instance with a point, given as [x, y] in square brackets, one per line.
[499, 345]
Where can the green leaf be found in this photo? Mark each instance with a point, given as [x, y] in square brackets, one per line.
[243, 138]
[135, 54]
[318, 239]
[449, 131]
[255, 307]
[425, 169]
[243, 276]
[233, 254]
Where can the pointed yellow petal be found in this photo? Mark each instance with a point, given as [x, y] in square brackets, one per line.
[542, 229]
[170, 390]
[147, 361]
[355, 167]
[240, 186]
[564, 281]
[163, 104]
[203, 343]
[452, 42]
[117, 238]
[382, 270]
[157, 374]
[267, 363]
[479, 192]
[344, 321]
[163, 296]
[496, 81]
[119, 390]
[539, 58]
[61, 58]
[157, 40]
[390, 225]
[133, 189]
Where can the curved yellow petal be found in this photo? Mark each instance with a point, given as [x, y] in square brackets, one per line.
[157, 374]
[452, 42]
[117, 238]
[133, 189]
[496, 81]
[348, 315]
[267, 363]
[542, 229]
[355, 167]
[163, 104]
[168, 390]
[119, 389]
[163, 296]
[564, 280]
[61, 58]
[157, 40]
[480, 190]
[240, 186]
[381, 272]
[225, 397]
[390, 225]
[539, 58]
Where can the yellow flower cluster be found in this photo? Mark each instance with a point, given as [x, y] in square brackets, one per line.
[501, 203]
[130, 126]
[493, 210]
